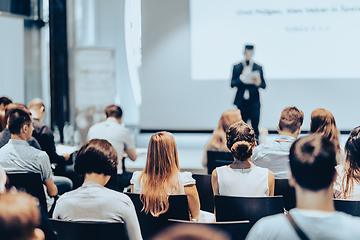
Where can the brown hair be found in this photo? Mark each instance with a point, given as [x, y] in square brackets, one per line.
[291, 118]
[240, 140]
[19, 216]
[161, 173]
[113, 111]
[352, 162]
[323, 122]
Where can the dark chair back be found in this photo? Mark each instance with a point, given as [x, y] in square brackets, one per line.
[150, 225]
[206, 195]
[217, 159]
[283, 188]
[31, 183]
[351, 207]
[237, 230]
[69, 230]
[229, 208]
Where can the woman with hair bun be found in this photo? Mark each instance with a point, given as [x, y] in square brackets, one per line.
[242, 177]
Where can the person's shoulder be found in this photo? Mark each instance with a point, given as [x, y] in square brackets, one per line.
[239, 64]
[118, 197]
[258, 66]
[268, 227]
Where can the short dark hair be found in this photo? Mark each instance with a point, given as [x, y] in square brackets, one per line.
[17, 119]
[113, 111]
[4, 100]
[313, 162]
[19, 216]
[12, 106]
[96, 156]
[249, 47]
[240, 140]
[291, 118]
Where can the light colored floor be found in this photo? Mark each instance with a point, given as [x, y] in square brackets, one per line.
[190, 149]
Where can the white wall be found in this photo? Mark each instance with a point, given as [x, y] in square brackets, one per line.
[172, 100]
[12, 58]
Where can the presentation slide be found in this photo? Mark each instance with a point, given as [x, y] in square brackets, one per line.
[293, 39]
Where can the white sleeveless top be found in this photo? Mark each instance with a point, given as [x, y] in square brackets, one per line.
[185, 179]
[250, 182]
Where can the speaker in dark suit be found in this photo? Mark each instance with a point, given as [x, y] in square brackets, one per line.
[248, 77]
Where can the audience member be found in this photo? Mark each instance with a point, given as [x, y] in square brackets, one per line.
[217, 141]
[17, 156]
[275, 156]
[45, 137]
[4, 101]
[19, 217]
[312, 165]
[191, 232]
[112, 130]
[323, 122]
[5, 135]
[97, 160]
[162, 177]
[2, 120]
[347, 185]
[255, 181]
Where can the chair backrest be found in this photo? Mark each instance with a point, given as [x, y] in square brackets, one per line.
[236, 229]
[217, 159]
[351, 207]
[206, 195]
[229, 208]
[283, 188]
[150, 225]
[31, 183]
[69, 230]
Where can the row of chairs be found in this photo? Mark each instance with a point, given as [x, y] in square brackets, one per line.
[227, 209]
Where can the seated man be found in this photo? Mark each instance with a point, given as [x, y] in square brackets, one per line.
[4, 101]
[97, 160]
[45, 137]
[17, 156]
[5, 135]
[118, 136]
[19, 217]
[312, 164]
[275, 156]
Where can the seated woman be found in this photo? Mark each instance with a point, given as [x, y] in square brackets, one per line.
[323, 122]
[162, 177]
[97, 160]
[242, 177]
[347, 185]
[217, 141]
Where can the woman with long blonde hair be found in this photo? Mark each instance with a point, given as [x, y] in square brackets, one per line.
[162, 177]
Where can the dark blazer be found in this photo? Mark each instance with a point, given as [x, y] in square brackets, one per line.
[45, 137]
[254, 99]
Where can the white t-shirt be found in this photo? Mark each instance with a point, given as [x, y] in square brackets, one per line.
[116, 134]
[315, 224]
[185, 179]
[355, 194]
[250, 182]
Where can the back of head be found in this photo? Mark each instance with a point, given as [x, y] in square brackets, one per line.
[160, 173]
[17, 119]
[191, 232]
[11, 107]
[5, 101]
[19, 216]
[113, 111]
[352, 148]
[228, 118]
[291, 119]
[36, 105]
[96, 156]
[323, 122]
[313, 161]
[240, 140]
